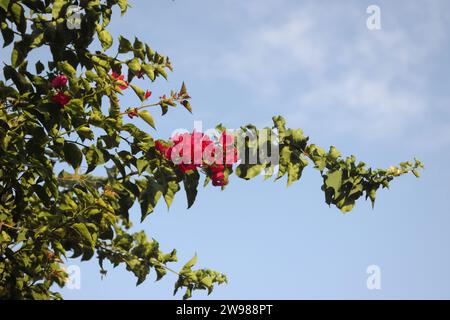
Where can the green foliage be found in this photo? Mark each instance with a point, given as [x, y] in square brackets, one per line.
[46, 215]
[344, 179]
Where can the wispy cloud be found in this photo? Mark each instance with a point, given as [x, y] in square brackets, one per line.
[372, 82]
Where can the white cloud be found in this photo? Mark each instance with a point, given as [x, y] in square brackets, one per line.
[355, 103]
[370, 81]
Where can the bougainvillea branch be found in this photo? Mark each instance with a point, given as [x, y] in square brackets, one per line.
[66, 113]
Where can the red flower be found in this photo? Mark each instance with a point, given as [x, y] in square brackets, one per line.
[191, 148]
[206, 141]
[117, 77]
[59, 81]
[219, 183]
[218, 176]
[132, 113]
[168, 153]
[217, 168]
[147, 94]
[160, 147]
[61, 98]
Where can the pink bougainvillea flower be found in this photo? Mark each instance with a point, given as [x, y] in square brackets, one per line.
[59, 81]
[61, 98]
[188, 152]
[206, 141]
[226, 139]
[210, 153]
[120, 77]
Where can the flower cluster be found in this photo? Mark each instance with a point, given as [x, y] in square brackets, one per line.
[59, 83]
[190, 151]
[120, 81]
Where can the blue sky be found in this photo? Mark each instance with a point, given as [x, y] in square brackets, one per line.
[382, 95]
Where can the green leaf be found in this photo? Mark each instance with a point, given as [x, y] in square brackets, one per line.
[160, 272]
[19, 16]
[42, 194]
[295, 168]
[57, 7]
[190, 182]
[147, 117]
[141, 164]
[123, 4]
[94, 157]
[39, 67]
[207, 282]
[72, 154]
[15, 56]
[269, 171]
[171, 189]
[187, 105]
[139, 92]
[318, 155]
[134, 65]
[105, 39]
[372, 194]
[75, 106]
[149, 70]
[67, 68]
[188, 293]
[249, 171]
[85, 132]
[347, 207]
[161, 71]
[83, 231]
[183, 89]
[138, 49]
[124, 45]
[334, 153]
[279, 124]
[285, 159]
[149, 51]
[294, 173]
[334, 180]
[297, 137]
[190, 263]
[18, 78]
[38, 40]
[8, 36]
[149, 197]
[4, 4]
